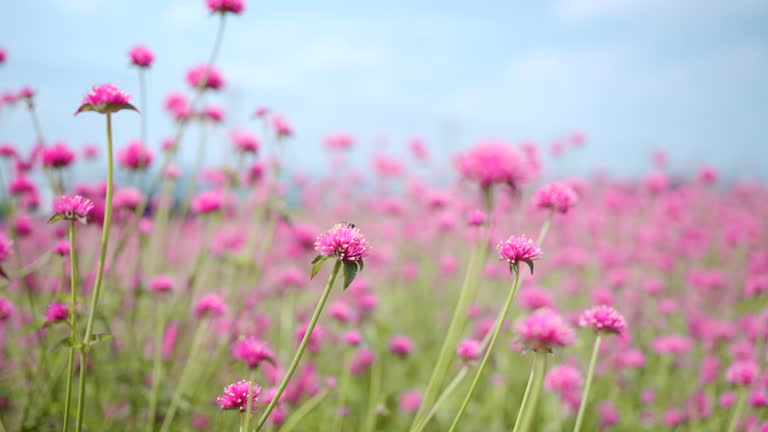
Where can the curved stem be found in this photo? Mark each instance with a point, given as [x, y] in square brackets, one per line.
[302, 412]
[737, 410]
[526, 395]
[538, 378]
[544, 230]
[302, 345]
[99, 276]
[587, 384]
[446, 393]
[73, 278]
[499, 324]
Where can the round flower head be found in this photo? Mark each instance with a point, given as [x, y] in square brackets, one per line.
[493, 162]
[476, 218]
[544, 329]
[603, 318]
[224, 6]
[563, 379]
[339, 141]
[205, 77]
[141, 56]
[56, 312]
[106, 98]
[3, 55]
[127, 198]
[469, 349]
[401, 345]
[235, 396]
[252, 351]
[135, 156]
[743, 373]
[518, 249]
[207, 202]
[409, 401]
[245, 142]
[344, 242]
[161, 284]
[213, 113]
[71, 208]
[6, 309]
[61, 248]
[210, 305]
[281, 126]
[58, 155]
[557, 197]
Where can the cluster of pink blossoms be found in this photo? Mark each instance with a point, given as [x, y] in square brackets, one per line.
[603, 318]
[207, 202]
[493, 162]
[344, 242]
[210, 305]
[518, 249]
[557, 197]
[6, 309]
[205, 77]
[135, 156]
[56, 312]
[545, 329]
[235, 396]
[252, 351]
[223, 6]
[339, 141]
[161, 284]
[72, 208]
[141, 56]
[105, 98]
[245, 142]
[59, 155]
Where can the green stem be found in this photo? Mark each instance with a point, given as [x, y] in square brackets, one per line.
[191, 358]
[338, 419]
[249, 403]
[99, 276]
[302, 345]
[737, 410]
[531, 393]
[587, 384]
[443, 397]
[303, 410]
[544, 230]
[157, 369]
[373, 394]
[499, 324]
[73, 278]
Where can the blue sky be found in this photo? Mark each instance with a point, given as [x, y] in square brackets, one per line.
[688, 76]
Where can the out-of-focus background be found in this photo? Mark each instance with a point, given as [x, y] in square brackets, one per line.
[685, 76]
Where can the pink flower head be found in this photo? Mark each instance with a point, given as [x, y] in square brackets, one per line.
[518, 249]
[210, 305]
[21, 185]
[90, 151]
[3, 55]
[401, 345]
[245, 142]
[7, 150]
[603, 318]
[544, 329]
[493, 162]
[353, 338]
[261, 112]
[557, 197]
[563, 379]
[339, 141]
[281, 126]
[224, 6]
[743, 373]
[235, 396]
[344, 242]
[205, 77]
[141, 56]
[128, 198]
[6, 309]
[58, 155]
[672, 344]
[213, 113]
[71, 208]
[56, 312]
[161, 284]
[135, 156]
[468, 349]
[409, 401]
[476, 218]
[252, 351]
[106, 98]
[177, 104]
[27, 93]
[61, 248]
[207, 202]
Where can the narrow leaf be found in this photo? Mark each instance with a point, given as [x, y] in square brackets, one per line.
[350, 271]
[317, 264]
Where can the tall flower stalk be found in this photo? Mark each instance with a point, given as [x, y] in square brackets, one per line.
[105, 99]
[347, 245]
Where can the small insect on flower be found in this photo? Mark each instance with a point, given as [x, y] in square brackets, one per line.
[71, 208]
[346, 243]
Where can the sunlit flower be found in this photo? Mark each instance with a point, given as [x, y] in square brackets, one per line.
[141, 56]
[603, 318]
[235, 396]
[71, 208]
[545, 329]
[343, 241]
[106, 98]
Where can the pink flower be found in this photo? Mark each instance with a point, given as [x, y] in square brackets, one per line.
[135, 156]
[90, 151]
[56, 312]
[210, 305]
[6, 309]
[21, 185]
[493, 162]
[169, 339]
[245, 142]
[3, 55]
[608, 414]
[533, 298]
[207, 202]
[518, 249]
[27, 93]
[476, 218]
[161, 284]
[224, 6]
[206, 77]
[544, 329]
[603, 318]
[339, 141]
[353, 338]
[563, 379]
[7, 150]
[71, 208]
[58, 155]
[281, 126]
[127, 198]
[252, 351]
[61, 248]
[235, 396]
[468, 349]
[6, 247]
[214, 113]
[344, 242]
[742, 373]
[362, 360]
[672, 344]
[409, 401]
[106, 98]
[557, 197]
[401, 345]
[261, 112]
[141, 56]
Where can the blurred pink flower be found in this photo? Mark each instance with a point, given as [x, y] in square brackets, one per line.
[141, 56]
[545, 329]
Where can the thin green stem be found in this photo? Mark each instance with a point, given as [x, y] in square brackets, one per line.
[453, 385]
[374, 391]
[338, 419]
[499, 324]
[587, 384]
[302, 411]
[157, 368]
[737, 410]
[191, 358]
[99, 276]
[526, 395]
[302, 345]
[73, 278]
[544, 230]
[249, 403]
[538, 379]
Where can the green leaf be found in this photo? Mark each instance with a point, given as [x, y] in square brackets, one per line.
[360, 265]
[350, 271]
[317, 263]
[66, 342]
[55, 218]
[530, 264]
[98, 338]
